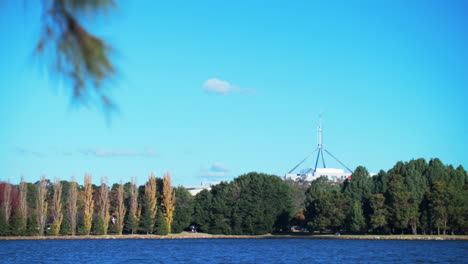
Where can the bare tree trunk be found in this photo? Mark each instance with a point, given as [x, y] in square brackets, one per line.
[120, 209]
[72, 208]
[57, 215]
[133, 213]
[414, 227]
[88, 204]
[444, 225]
[23, 206]
[41, 205]
[103, 204]
[168, 200]
[6, 205]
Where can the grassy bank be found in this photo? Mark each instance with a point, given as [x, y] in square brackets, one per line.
[188, 235]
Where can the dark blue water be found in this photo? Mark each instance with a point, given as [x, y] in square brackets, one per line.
[233, 251]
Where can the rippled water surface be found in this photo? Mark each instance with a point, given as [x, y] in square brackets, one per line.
[233, 251]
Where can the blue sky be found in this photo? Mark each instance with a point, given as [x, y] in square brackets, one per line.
[209, 90]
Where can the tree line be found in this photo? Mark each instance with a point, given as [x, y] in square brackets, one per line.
[415, 197]
[67, 208]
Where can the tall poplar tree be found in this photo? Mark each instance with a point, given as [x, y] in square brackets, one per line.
[56, 211]
[103, 208]
[133, 217]
[168, 200]
[149, 205]
[7, 198]
[41, 205]
[88, 204]
[120, 210]
[23, 205]
[72, 206]
[5, 207]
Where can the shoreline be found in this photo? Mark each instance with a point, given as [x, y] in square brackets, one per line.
[187, 235]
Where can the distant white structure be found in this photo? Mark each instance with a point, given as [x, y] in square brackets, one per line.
[193, 190]
[310, 175]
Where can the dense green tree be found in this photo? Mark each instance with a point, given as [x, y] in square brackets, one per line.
[414, 179]
[98, 226]
[358, 189]
[356, 222]
[266, 199]
[133, 213]
[378, 217]
[253, 203]
[223, 201]
[161, 225]
[17, 224]
[439, 204]
[201, 210]
[399, 203]
[16, 227]
[458, 211]
[4, 224]
[32, 228]
[298, 190]
[183, 209]
[146, 221]
[328, 212]
[149, 206]
[380, 182]
[65, 228]
[317, 189]
[436, 171]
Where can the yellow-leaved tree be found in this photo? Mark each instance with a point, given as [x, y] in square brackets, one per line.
[88, 204]
[149, 205]
[168, 200]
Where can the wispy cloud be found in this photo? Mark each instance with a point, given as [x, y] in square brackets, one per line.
[26, 151]
[97, 152]
[216, 170]
[102, 152]
[218, 86]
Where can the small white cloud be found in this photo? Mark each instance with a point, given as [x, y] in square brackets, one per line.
[218, 86]
[219, 167]
[216, 170]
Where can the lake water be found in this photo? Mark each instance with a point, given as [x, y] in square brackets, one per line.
[233, 251]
